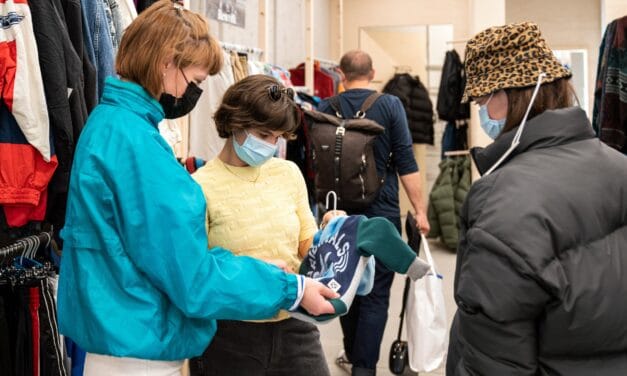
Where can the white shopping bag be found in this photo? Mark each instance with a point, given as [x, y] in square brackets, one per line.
[427, 327]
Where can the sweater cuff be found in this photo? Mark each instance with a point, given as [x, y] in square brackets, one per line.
[300, 289]
[418, 269]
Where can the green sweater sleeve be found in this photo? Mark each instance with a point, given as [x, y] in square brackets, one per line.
[379, 238]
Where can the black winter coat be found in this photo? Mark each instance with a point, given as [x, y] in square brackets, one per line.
[63, 80]
[417, 105]
[541, 279]
[451, 90]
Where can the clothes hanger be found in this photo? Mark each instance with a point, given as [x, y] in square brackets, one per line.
[331, 193]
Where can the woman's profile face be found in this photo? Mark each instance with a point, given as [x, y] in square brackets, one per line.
[496, 104]
[175, 80]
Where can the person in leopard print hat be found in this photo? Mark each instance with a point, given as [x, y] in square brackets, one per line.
[540, 282]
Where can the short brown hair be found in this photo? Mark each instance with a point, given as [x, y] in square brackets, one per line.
[551, 96]
[161, 32]
[356, 64]
[248, 105]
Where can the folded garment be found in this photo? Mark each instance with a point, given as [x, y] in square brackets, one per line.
[343, 254]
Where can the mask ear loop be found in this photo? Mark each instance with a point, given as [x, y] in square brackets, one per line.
[516, 140]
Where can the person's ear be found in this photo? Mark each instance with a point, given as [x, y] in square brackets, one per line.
[371, 75]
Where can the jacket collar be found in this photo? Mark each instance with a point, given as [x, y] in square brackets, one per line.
[551, 128]
[132, 97]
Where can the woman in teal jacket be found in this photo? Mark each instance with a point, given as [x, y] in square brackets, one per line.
[139, 289]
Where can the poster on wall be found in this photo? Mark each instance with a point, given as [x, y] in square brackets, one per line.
[228, 11]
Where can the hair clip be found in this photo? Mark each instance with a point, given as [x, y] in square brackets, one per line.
[275, 92]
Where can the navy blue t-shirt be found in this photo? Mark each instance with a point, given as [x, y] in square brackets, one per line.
[388, 111]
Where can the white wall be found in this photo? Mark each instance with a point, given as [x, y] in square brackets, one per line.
[286, 30]
[566, 25]
[611, 10]
[362, 13]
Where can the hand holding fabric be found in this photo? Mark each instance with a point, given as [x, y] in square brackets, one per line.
[330, 215]
[315, 298]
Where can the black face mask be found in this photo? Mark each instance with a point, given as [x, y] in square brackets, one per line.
[174, 107]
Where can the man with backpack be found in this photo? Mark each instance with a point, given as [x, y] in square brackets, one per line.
[364, 324]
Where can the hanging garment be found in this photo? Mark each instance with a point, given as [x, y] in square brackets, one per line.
[64, 90]
[127, 14]
[281, 74]
[238, 68]
[337, 80]
[446, 198]
[22, 87]
[24, 174]
[70, 12]
[417, 105]
[455, 137]
[98, 41]
[451, 90]
[171, 132]
[113, 22]
[323, 83]
[340, 257]
[610, 96]
[204, 141]
[29, 339]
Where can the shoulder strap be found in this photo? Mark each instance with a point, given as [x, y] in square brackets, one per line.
[334, 102]
[367, 104]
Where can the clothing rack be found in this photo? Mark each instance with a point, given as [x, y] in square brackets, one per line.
[400, 69]
[456, 41]
[26, 247]
[241, 48]
[326, 63]
[301, 89]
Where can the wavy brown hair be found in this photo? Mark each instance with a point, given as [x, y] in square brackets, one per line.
[162, 32]
[248, 105]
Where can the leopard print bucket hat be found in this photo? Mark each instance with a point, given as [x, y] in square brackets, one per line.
[510, 56]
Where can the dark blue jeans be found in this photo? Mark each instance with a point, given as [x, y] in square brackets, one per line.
[364, 324]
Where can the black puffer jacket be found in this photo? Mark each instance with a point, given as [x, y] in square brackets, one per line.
[417, 105]
[541, 279]
[451, 90]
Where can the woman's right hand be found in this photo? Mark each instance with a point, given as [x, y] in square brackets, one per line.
[330, 215]
[315, 298]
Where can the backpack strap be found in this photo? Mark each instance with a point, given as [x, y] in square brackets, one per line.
[334, 102]
[337, 171]
[367, 104]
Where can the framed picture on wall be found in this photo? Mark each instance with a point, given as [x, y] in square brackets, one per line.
[228, 11]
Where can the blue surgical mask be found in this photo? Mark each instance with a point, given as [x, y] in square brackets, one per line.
[490, 126]
[254, 151]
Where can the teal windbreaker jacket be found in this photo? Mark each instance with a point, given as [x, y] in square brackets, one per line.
[136, 278]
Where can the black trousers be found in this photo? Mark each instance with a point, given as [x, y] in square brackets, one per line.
[16, 332]
[50, 353]
[284, 348]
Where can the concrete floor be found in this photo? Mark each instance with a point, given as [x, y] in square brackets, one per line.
[331, 333]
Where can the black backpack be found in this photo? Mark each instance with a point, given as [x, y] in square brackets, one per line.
[343, 155]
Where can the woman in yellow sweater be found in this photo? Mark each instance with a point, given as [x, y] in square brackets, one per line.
[257, 206]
